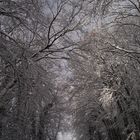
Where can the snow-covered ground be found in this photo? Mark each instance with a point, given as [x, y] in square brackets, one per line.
[65, 136]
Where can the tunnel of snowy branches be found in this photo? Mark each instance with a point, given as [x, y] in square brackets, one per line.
[69, 69]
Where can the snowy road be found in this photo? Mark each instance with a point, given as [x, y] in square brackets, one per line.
[65, 136]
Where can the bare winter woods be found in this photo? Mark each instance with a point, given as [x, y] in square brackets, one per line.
[70, 66]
